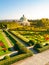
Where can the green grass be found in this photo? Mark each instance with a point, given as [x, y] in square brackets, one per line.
[5, 43]
[3, 40]
[2, 52]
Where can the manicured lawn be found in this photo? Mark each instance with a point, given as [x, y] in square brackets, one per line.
[2, 39]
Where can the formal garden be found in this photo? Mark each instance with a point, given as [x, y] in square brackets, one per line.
[20, 41]
[36, 37]
[23, 52]
[40, 40]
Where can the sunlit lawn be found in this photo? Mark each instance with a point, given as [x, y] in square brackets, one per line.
[5, 43]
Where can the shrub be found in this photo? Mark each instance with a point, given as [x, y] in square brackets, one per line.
[22, 48]
[42, 48]
[31, 42]
[38, 45]
[20, 37]
[9, 49]
[6, 57]
[14, 59]
[46, 44]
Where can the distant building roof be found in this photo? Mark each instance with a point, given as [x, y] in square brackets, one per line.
[23, 18]
[24, 21]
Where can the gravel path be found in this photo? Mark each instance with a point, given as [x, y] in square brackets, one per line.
[37, 59]
[47, 63]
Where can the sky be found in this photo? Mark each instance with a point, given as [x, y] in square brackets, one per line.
[32, 9]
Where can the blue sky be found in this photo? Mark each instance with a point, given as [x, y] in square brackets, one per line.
[32, 9]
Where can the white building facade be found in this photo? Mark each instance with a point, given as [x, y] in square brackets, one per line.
[24, 21]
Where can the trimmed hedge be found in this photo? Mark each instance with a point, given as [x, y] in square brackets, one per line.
[20, 36]
[38, 45]
[31, 42]
[41, 49]
[14, 59]
[22, 48]
[6, 57]
[27, 42]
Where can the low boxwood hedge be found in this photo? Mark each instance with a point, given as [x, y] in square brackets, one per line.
[22, 48]
[31, 42]
[21, 38]
[6, 57]
[11, 60]
[37, 45]
[40, 49]
[43, 49]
